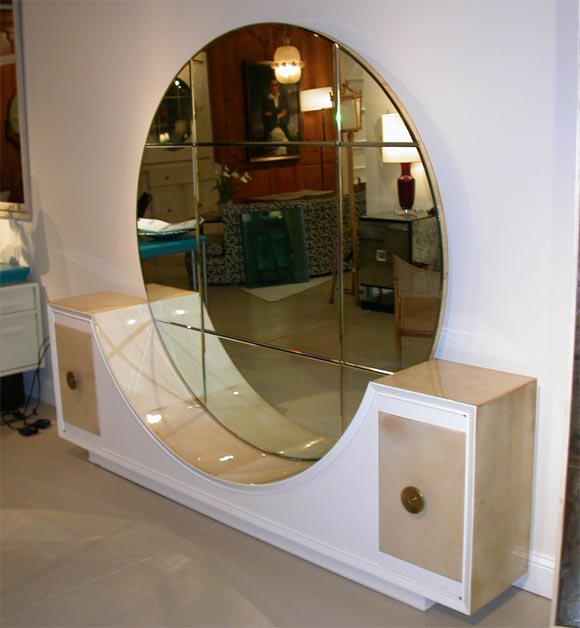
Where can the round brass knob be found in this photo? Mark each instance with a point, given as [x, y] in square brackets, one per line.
[412, 500]
[71, 380]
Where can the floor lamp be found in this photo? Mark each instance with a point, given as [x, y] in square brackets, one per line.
[318, 99]
[350, 118]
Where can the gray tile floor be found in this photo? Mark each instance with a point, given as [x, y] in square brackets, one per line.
[83, 547]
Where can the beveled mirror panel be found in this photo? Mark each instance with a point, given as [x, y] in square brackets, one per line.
[302, 246]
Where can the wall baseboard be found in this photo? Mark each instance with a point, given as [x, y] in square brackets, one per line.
[540, 577]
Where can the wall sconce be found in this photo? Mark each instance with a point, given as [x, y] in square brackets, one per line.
[394, 130]
[287, 63]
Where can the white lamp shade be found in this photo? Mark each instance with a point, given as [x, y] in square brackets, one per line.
[316, 99]
[287, 64]
[394, 130]
[350, 113]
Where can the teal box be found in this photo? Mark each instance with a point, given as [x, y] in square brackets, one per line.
[13, 274]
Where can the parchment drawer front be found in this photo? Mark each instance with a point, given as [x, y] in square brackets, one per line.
[431, 459]
[77, 378]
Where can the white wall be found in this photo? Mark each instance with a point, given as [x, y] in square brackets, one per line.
[491, 86]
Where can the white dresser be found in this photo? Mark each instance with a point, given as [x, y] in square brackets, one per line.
[20, 328]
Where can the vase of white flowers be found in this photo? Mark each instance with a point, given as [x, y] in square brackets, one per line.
[227, 182]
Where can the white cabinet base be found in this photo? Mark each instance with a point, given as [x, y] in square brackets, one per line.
[278, 536]
[342, 511]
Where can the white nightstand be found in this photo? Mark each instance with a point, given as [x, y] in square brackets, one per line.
[20, 328]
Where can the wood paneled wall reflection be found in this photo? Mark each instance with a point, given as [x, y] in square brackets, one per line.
[257, 43]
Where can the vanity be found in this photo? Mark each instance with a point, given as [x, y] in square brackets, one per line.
[412, 501]
[283, 416]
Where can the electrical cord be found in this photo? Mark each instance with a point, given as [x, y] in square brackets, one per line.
[44, 346]
[16, 416]
[26, 429]
[29, 429]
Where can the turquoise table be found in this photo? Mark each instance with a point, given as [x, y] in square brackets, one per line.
[168, 246]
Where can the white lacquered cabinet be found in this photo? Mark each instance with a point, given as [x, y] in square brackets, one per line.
[426, 497]
[456, 447]
[20, 328]
[76, 362]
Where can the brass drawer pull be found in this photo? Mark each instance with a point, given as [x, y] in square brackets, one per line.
[71, 380]
[412, 500]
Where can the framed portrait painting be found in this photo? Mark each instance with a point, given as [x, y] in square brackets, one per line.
[272, 114]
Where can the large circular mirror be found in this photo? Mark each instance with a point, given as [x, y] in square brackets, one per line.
[291, 236]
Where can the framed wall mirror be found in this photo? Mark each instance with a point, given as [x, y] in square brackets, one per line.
[322, 269]
[14, 173]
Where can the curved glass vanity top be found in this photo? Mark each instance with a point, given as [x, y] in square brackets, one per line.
[141, 367]
[309, 205]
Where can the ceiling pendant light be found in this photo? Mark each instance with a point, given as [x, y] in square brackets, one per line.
[287, 63]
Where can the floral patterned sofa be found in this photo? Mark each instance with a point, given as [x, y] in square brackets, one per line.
[225, 256]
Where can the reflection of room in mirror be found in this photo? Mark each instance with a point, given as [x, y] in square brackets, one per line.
[300, 312]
